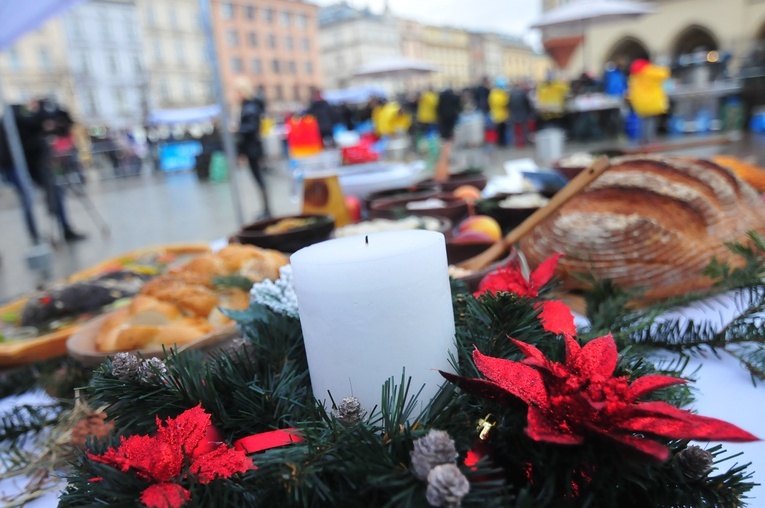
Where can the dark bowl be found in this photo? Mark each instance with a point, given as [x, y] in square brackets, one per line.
[471, 177]
[457, 252]
[455, 210]
[288, 241]
[400, 193]
[508, 218]
[569, 172]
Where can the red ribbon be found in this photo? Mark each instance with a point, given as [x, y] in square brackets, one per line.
[267, 440]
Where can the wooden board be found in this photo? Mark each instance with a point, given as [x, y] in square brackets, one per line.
[50, 345]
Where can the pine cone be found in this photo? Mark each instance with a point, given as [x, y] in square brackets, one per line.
[349, 411]
[151, 371]
[432, 450]
[126, 366]
[93, 425]
[695, 462]
[446, 486]
[240, 349]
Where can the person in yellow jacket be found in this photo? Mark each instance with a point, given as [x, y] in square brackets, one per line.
[427, 106]
[392, 119]
[647, 96]
[498, 112]
[551, 101]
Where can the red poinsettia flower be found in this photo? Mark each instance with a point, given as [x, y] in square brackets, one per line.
[569, 402]
[509, 279]
[160, 459]
[556, 317]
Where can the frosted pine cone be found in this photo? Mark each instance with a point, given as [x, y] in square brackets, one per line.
[695, 462]
[126, 366]
[434, 449]
[151, 371]
[349, 411]
[446, 486]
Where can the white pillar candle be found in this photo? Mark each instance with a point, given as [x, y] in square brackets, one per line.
[372, 306]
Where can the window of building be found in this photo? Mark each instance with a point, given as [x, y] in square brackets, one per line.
[232, 38]
[14, 62]
[278, 93]
[304, 44]
[268, 15]
[249, 12]
[252, 39]
[150, 19]
[237, 67]
[271, 41]
[119, 98]
[308, 68]
[137, 64]
[158, 56]
[172, 16]
[111, 62]
[84, 64]
[91, 107]
[275, 66]
[296, 93]
[227, 10]
[186, 90]
[301, 21]
[180, 53]
[292, 67]
[261, 91]
[45, 62]
[288, 43]
[164, 90]
[256, 67]
[285, 18]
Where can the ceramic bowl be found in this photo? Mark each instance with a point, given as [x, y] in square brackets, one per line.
[287, 241]
[454, 209]
[472, 177]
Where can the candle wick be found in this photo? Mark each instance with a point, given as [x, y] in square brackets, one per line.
[366, 240]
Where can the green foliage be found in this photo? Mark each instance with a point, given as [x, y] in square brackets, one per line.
[264, 385]
[232, 281]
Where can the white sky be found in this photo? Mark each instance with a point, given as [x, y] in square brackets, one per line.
[505, 16]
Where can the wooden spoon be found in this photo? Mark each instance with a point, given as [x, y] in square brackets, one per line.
[574, 187]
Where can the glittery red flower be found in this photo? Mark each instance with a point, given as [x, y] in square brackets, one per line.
[165, 495]
[161, 458]
[509, 279]
[569, 402]
[556, 317]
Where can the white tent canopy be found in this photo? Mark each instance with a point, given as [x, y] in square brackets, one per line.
[396, 66]
[19, 17]
[186, 115]
[592, 11]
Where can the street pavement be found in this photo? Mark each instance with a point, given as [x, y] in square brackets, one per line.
[156, 208]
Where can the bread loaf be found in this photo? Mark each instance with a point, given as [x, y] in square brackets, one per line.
[650, 223]
[185, 304]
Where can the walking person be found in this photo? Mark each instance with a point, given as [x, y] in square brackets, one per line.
[35, 122]
[520, 113]
[647, 96]
[249, 142]
[322, 112]
[498, 110]
[448, 112]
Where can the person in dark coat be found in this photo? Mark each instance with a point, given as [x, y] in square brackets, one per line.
[448, 111]
[322, 112]
[520, 113]
[481, 94]
[249, 143]
[35, 122]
